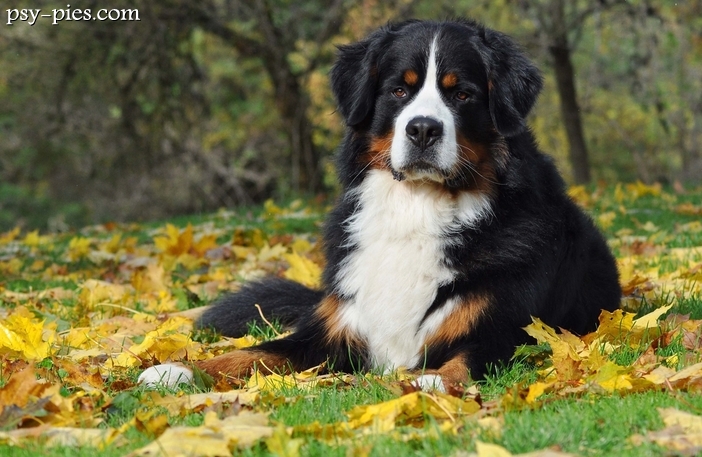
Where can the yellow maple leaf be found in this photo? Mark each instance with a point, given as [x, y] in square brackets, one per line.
[274, 381]
[112, 245]
[650, 320]
[152, 280]
[491, 450]
[94, 291]
[168, 342]
[536, 390]
[9, 236]
[301, 245]
[78, 248]
[175, 242]
[614, 325]
[31, 238]
[271, 209]
[204, 244]
[185, 442]
[613, 377]
[566, 348]
[271, 253]
[383, 417]
[22, 334]
[215, 437]
[605, 220]
[12, 267]
[303, 270]
[639, 189]
[580, 195]
[183, 404]
[282, 444]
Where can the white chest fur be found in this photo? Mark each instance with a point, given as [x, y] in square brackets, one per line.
[399, 232]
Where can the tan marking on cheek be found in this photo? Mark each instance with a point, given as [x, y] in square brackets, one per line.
[460, 322]
[378, 154]
[240, 363]
[411, 77]
[449, 80]
[482, 167]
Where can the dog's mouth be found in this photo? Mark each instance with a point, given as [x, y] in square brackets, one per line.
[420, 170]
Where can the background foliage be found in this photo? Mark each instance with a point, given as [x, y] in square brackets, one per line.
[205, 104]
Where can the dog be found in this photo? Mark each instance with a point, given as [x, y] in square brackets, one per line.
[452, 229]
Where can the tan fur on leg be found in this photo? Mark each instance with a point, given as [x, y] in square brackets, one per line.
[238, 364]
[451, 374]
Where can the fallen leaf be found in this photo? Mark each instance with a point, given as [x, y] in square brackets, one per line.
[682, 433]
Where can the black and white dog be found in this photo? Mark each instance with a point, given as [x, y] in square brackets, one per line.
[452, 229]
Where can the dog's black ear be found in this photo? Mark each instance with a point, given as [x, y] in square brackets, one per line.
[354, 76]
[513, 81]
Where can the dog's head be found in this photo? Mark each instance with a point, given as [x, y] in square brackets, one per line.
[432, 99]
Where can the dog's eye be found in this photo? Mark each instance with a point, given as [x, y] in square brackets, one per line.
[462, 96]
[399, 92]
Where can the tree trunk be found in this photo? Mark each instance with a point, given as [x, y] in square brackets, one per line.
[565, 81]
[291, 98]
[293, 104]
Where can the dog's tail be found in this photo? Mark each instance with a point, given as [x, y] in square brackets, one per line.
[286, 302]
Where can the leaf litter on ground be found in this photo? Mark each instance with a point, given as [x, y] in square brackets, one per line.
[84, 313]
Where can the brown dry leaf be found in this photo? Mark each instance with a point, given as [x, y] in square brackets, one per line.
[79, 374]
[689, 209]
[24, 399]
[22, 387]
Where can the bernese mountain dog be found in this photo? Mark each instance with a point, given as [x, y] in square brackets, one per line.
[452, 228]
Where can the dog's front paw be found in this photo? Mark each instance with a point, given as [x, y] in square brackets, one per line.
[430, 382]
[166, 375]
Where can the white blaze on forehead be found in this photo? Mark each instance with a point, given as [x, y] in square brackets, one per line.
[427, 103]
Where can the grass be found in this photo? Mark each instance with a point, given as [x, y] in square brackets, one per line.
[588, 424]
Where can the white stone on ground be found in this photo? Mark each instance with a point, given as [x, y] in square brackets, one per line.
[166, 375]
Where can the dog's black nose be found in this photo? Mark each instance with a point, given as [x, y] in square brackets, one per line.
[424, 131]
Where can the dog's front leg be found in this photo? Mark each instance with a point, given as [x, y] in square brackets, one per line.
[452, 373]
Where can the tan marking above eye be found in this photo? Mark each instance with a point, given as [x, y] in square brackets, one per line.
[411, 77]
[449, 80]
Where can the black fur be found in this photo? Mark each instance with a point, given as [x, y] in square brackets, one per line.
[284, 301]
[538, 254]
